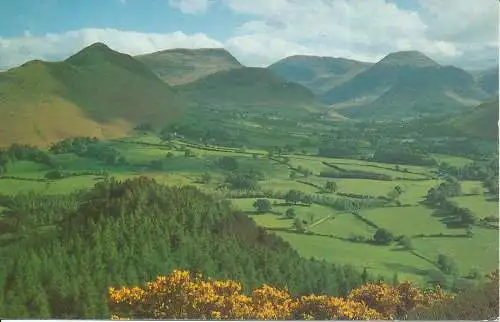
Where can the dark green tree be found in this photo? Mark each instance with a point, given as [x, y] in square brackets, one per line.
[383, 237]
[262, 205]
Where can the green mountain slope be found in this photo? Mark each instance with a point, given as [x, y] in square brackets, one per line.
[488, 81]
[403, 84]
[249, 87]
[479, 122]
[319, 74]
[180, 66]
[97, 92]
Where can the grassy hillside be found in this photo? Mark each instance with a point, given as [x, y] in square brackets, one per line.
[402, 84]
[481, 121]
[488, 81]
[97, 92]
[180, 66]
[249, 87]
[319, 74]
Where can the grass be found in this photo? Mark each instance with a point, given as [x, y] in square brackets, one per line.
[478, 205]
[472, 187]
[27, 169]
[90, 106]
[344, 225]
[480, 251]
[179, 66]
[284, 185]
[272, 221]
[406, 220]
[302, 212]
[250, 87]
[314, 164]
[368, 164]
[377, 259]
[414, 191]
[63, 186]
[452, 160]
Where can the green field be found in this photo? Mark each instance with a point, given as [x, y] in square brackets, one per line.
[478, 205]
[330, 231]
[377, 259]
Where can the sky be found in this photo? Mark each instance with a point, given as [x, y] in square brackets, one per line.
[463, 33]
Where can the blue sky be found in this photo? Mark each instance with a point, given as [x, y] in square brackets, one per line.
[40, 17]
[257, 32]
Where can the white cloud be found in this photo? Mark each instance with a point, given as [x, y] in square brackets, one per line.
[15, 51]
[461, 32]
[191, 6]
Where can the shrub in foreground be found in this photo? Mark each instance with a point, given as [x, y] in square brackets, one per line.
[182, 295]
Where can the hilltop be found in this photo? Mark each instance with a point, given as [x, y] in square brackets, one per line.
[249, 87]
[403, 84]
[180, 66]
[319, 74]
[480, 121]
[96, 92]
[411, 58]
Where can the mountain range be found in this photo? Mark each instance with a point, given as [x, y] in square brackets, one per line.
[404, 84]
[103, 93]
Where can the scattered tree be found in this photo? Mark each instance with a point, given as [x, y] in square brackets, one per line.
[298, 225]
[331, 186]
[262, 205]
[293, 196]
[228, 163]
[406, 243]
[290, 213]
[446, 264]
[383, 237]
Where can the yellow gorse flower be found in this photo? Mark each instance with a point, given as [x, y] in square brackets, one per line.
[182, 295]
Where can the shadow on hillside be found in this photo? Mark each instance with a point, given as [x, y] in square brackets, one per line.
[448, 219]
[423, 258]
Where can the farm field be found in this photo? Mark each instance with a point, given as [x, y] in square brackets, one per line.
[331, 233]
[478, 205]
[379, 260]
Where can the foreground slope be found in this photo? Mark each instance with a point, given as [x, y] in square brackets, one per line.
[479, 122]
[403, 84]
[180, 66]
[249, 87]
[97, 92]
[319, 74]
[59, 265]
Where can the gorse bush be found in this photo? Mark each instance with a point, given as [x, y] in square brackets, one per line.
[182, 295]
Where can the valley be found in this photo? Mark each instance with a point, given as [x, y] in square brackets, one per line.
[192, 161]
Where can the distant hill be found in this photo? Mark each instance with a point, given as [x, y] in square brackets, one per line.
[488, 81]
[404, 84]
[480, 121]
[96, 92]
[319, 74]
[180, 66]
[249, 87]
